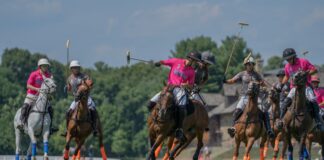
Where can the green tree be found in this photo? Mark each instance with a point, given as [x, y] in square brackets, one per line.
[274, 62]
[200, 43]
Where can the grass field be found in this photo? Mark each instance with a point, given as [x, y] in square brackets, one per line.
[225, 153]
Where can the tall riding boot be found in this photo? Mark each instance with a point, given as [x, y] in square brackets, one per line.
[151, 105]
[182, 112]
[67, 118]
[267, 124]
[286, 103]
[51, 114]
[23, 115]
[316, 116]
[236, 115]
[94, 117]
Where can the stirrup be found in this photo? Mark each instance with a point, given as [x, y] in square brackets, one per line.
[95, 133]
[53, 130]
[21, 127]
[63, 134]
[180, 135]
[279, 124]
[231, 132]
[270, 134]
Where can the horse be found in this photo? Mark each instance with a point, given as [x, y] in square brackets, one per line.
[249, 126]
[79, 126]
[297, 120]
[38, 123]
[274, 99]
[161, 122]
[194, 125]
[315, 136]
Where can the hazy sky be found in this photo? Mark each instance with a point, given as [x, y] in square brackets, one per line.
[102, 30]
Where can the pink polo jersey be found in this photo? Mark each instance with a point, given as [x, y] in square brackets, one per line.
[179, 73]
[300, 64]
[36, 79]
[319, 92]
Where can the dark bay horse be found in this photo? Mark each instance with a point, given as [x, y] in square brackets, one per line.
[79, 126]
[297, 120]
[249, 126]
[194, 125]
[274, 98]
[161, 124]
[315, 136]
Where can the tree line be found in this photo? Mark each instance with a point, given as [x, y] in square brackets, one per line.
[120, 93]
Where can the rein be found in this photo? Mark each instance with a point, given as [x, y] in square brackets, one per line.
[42, 112]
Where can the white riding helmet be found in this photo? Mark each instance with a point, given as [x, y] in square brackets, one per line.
[249, 59]
[75, 63]
[43, 61]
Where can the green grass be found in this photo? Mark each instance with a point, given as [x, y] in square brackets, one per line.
[225, 153]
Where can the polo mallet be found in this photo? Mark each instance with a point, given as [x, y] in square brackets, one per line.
[304, 53]
[242, 24]
[128, 57]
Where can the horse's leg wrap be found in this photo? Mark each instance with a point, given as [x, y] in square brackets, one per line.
[94, 117]
[267, 124]
[182, 112]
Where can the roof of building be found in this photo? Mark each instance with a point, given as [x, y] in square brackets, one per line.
[213, 99]
[231, 89]
[222, 109]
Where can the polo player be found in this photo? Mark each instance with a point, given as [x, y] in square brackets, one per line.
[201, 74]
[282, 87]
[34, 84]
[294, 65]
[182, 77]
[247, 76]
[319, 93]
[73, 82]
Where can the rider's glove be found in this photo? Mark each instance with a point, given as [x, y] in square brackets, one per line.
[224, 80]
[157, 64]
[196, 90]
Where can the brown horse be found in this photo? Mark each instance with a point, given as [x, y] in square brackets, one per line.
[249, 126]
[161, 122]
[79, 127]
[297, 120]
[274, 98]
[194, 125]
[315, 136]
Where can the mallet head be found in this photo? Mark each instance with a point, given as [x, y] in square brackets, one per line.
[128, 56]
[243, 24]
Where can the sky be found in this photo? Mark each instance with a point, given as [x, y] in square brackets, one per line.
[103, 30]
